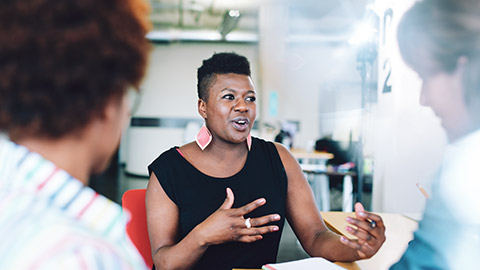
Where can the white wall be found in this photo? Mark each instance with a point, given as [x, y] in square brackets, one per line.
[409, 141]
[170, 86]
[324, 93]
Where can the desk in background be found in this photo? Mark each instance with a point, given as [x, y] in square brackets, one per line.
[315, 155]
[314, 166]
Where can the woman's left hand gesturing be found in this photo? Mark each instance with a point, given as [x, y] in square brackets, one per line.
[369, 230]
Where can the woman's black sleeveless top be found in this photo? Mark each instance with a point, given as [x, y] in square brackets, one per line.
[198, 195]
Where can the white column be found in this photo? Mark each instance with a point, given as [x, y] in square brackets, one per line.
[273, 27]
[408, 138]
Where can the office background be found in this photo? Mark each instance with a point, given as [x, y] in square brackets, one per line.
[307, 63]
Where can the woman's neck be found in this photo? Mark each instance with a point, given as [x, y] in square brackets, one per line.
[226, 150]
[218, 159]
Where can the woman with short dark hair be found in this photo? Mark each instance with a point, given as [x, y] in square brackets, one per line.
[221, 202]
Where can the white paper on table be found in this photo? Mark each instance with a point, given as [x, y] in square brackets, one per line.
[305, 264]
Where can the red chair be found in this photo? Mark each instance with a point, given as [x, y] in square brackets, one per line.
[134, 201]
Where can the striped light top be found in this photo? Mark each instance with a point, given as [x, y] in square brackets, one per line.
[50, 220]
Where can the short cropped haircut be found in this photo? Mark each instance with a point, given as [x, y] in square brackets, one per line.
[62, 61]
[219, 63]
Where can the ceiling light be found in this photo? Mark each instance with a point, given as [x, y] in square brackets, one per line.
[230, 21]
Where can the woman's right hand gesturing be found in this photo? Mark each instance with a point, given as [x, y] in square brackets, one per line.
[228, 224]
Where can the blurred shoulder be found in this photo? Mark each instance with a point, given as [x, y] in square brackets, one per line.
[282, 151]
[54, 240]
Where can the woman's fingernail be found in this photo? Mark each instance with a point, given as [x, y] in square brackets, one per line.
[343, 239]
[362, 214]
[349, 229]
[349, 219]
[262, 200]
[275, 229]
[277, 217]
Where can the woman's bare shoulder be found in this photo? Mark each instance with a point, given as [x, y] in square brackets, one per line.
[283, 151]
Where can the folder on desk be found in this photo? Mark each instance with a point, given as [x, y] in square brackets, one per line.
[305, 264]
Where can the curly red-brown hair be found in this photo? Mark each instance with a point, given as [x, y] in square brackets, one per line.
[62, 61]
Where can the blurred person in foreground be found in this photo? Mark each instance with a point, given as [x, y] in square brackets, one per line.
[440, 40]
[65, 70]
[221, 201]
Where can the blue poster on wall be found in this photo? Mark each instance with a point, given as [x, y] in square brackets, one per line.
[273, 104]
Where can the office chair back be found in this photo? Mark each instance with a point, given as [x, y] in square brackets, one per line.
[134, 201]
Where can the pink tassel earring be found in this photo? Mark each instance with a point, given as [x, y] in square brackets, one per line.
[249, 141]
[203, 138]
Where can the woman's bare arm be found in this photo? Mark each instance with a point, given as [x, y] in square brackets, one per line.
[308, 225]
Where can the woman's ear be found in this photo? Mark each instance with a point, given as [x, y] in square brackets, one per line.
[202, 108]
